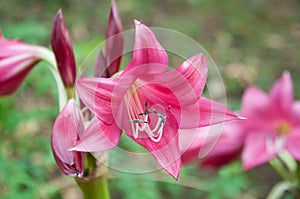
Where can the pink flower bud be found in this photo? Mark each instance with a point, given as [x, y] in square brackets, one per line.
[63, 50]
[114, 40]
[66, 130]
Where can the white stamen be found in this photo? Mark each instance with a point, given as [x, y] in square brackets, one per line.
[136, 133]
[144, 127]
[160, 125]
[274, 144]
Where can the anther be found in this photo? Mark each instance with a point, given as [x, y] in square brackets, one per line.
[138, 121]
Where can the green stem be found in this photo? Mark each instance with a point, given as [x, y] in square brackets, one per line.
[95, 188]
[276, 164]
[49, 57]
[94, 182]
[298, 177]
[298, 172]
[289, 175]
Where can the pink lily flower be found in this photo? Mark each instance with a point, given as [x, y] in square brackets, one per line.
[16, 61]
[149, 103]
[65, 133]
[63, 50]
[217, 145]
[273, 123]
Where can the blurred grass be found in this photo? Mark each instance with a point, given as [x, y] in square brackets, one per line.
[252, 42]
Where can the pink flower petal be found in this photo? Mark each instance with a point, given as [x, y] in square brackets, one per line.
[63, 50]
[100, 66]
[147, 51]
[103, 95]
[203, 113]
[257, 150]
[294, 116]
[114, 40]
[98, 137]
[227, 146]
[292, 144]
[190, 143]
[212, 112]
[216, 145]
[13, 74]
[170, 87]
[254, 101]
[194, 70]
[166, 151]
[186, 82]
[16, 61]
[281, 94]
[66, 129]
[256, 106]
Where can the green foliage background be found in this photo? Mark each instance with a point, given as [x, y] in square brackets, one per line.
[252, 42]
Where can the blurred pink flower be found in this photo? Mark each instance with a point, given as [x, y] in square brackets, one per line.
[16, 61]
[273, 123]
[149, 103]
[228, 146]
[65, 133]
[63, 50]
[214, 145]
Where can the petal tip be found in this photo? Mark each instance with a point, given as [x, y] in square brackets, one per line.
[79, 147]
[137, 22]
[71, 149]
[286, 73]
[176, 176]
[286, 76]
[59, 15]
[242, 118]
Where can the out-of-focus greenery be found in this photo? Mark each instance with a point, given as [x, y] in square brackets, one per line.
[252, 42]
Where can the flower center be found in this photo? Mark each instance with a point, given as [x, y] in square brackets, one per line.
[275, 142]
[283, 128]
[143, 124]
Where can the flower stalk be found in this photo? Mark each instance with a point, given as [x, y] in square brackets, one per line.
[298, 172]
[94, 189]
[279, 167]
[94, 182]
[289, 176]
